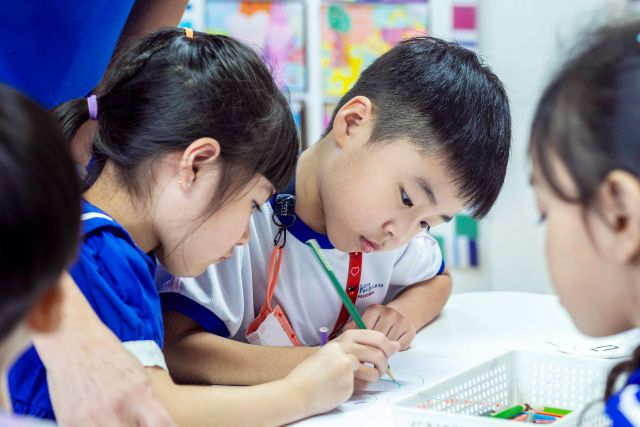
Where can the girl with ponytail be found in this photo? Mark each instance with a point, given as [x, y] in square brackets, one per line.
[585, 149]
[192, 136]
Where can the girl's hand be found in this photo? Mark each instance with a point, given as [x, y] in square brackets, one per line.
[389, 321]
[324, 380]
[372, 350]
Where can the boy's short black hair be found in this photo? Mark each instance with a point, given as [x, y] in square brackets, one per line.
[39, 206]
[442, 98]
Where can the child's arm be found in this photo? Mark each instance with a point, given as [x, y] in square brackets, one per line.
[84, 355]
[196, 356]
[410, 311]
[319, 384]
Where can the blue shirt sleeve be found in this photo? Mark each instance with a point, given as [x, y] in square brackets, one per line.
[116, 277]
[117, 280]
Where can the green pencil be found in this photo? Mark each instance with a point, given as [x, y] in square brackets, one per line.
[341, 292]
[509, 413]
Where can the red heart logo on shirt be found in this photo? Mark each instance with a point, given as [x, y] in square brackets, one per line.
[355, 271]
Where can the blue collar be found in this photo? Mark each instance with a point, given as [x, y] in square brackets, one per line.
[89, 226]
[299, 229]
[88, 207]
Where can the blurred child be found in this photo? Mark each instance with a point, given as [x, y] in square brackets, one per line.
[585, 149]
[39, 228]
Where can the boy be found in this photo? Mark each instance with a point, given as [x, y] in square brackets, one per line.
[423, 134]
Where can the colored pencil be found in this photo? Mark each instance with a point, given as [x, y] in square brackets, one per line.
[323, 333]
[353, 312]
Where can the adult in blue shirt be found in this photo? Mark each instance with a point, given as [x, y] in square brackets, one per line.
[55, 51]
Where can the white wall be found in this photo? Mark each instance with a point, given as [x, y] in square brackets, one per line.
[524, 41]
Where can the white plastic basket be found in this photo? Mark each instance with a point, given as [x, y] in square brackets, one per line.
[516, 377]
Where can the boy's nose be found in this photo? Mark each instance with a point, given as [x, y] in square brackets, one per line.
[396, 230]
[389, 230]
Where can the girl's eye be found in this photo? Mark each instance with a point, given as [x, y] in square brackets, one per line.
[405, 198]
[543, 218]
[255, 206]
[425, 225]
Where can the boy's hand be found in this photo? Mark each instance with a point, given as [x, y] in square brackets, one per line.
[393, 324]
[372, 349]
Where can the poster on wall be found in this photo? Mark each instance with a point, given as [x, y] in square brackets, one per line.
[355, 34]
[276, 29]
[464, 24]
[458, 242]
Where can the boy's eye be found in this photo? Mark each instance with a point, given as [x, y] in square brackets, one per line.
[543, 218]
[425, 225]
[405, 198]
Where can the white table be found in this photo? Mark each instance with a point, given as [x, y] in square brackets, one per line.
[472, 327]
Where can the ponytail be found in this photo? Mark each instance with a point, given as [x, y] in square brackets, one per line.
[70, 116]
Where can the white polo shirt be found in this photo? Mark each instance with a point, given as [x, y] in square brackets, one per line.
[228, 296]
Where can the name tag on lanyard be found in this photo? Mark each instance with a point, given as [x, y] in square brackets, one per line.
[272, 327]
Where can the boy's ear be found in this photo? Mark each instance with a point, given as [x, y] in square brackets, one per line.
[201, 152]
[46, 313]
[354, 118]
[619, 197]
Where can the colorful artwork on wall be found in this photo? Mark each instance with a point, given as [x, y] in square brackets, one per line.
[328, 112]
[355, 34]
[276, 29]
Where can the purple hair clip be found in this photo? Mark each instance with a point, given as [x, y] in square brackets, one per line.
[92, 103]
